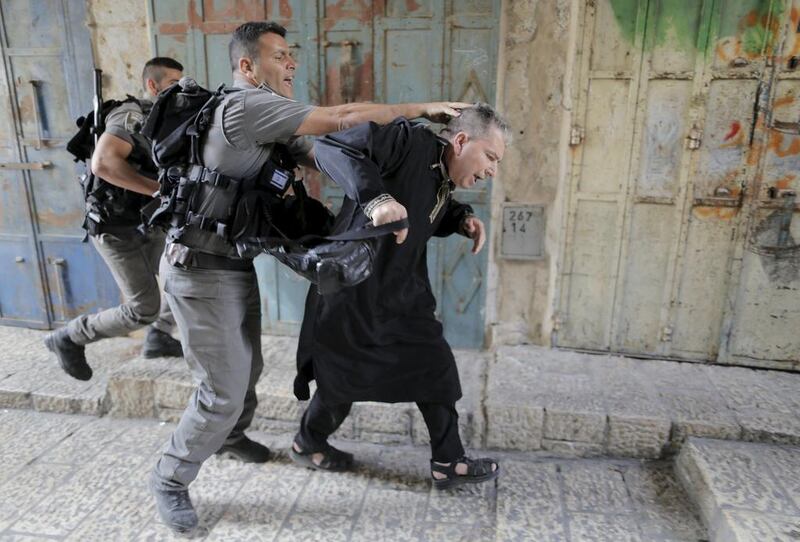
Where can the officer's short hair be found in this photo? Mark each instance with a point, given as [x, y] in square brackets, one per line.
[244, 41]
[154, 68]
[476, 121]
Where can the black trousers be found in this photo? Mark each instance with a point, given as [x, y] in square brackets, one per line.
[320, 420]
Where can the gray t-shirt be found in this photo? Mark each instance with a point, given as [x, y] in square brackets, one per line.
[246, 125]
[127, 119]
[125, 122]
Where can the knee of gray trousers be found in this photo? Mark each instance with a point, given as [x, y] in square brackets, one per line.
[143, 312]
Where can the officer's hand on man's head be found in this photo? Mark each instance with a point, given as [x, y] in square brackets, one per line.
[474, 229]
[391, 211]
[442, 112]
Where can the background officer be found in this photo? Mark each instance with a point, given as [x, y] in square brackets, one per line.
[213, 293]
[125, 182]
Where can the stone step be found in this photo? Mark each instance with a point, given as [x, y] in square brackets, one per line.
[745, 492]
[581, 404]
[515, 398]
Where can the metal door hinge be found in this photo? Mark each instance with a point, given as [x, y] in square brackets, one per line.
[694, 138]
[666, 334]
[575, 136]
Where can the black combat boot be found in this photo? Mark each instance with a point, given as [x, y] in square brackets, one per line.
[246, 450]
[158, 344]
[175, 508]
[71, 356]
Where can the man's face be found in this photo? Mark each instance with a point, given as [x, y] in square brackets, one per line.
[169, 77]
[275, 65]
[471, 159]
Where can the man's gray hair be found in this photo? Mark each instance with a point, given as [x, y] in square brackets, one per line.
[476, 121]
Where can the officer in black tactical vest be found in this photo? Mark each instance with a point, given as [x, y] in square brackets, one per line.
[213, 292]
[124, 182]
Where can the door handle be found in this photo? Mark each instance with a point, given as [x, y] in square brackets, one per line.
[37, 118]
[60, 264]
[26, 165]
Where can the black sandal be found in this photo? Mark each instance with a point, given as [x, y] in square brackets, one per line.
[478, 470]
[333, 460]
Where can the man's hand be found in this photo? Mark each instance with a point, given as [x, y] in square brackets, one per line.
[391, 211]
[442, 111]
[474, 229]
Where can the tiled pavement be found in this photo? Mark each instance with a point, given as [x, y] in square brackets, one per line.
[82, 478]
[745, 492]
[515, 398]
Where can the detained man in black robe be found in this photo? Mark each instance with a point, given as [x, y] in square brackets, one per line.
[379, 340]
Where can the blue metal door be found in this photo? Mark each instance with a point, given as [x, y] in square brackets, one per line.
[358, 50]
[48, 275]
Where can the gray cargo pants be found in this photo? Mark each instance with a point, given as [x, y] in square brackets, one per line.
[133, 261]
[219, 319]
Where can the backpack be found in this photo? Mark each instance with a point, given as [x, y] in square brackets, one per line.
[106, 203]
[180, 116]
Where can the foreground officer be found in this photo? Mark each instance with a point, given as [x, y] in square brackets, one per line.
[125, 182]
[213, 293]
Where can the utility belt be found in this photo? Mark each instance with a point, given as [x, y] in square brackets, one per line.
[95, 228]
[206, 211]
[183, 257]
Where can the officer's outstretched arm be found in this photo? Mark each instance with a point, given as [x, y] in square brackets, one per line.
[324, 120]
[109, 162]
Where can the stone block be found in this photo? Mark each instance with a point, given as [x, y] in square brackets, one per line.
[15, 398]
[665, 510]
[604, 528]
[761, 425]
[274, 427]
[467, 504]
[519, 521]
[595, 486]
[382, 417]
[172, 391]
[564, 448]
[574, 426]
[514, 427]
[280, 408]
[534, 485]
[745, 526]
[388, 515]
[341, 494]
[376, 437]
[131, 388]
[637, 436]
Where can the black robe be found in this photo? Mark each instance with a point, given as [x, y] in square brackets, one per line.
[379, 340]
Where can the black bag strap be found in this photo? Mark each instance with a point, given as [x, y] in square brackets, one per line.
[367, 232]
[360, 234]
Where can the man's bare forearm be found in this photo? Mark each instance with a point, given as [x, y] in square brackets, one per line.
[357, 113]
[121, 173]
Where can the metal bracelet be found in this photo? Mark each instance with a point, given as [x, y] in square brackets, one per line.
[374, 203]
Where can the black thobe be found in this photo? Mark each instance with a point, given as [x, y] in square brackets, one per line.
[379, 340]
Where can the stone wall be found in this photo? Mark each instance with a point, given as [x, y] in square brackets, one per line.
[534, 92]
[120, 43]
